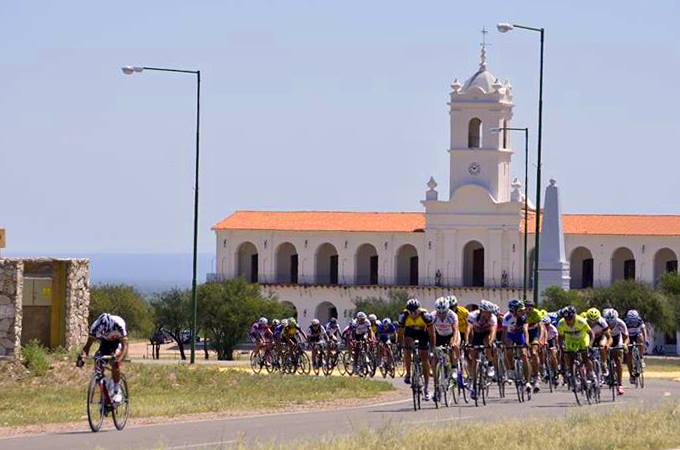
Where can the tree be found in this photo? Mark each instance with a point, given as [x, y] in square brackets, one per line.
[227, 310]
[669, 284]
[390, 307]
[124, 301]
[174, 315]
[555, 298]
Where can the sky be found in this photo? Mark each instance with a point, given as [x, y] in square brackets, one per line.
[310, 105]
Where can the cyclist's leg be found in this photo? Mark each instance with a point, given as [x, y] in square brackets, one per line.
[408, 344]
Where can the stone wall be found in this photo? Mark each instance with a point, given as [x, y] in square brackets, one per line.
[77, 302]
[11, 293]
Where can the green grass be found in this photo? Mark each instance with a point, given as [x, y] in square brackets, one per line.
[662, 365]
[629, 428]
[159, 390]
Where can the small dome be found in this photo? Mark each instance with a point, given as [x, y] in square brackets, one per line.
[483, 79]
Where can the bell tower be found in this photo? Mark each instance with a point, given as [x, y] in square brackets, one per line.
[479, 154]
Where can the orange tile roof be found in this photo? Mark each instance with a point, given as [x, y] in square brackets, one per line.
[409, 222]
[618, 224]
[401, 222]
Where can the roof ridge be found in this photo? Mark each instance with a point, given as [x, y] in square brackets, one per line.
[327, 211]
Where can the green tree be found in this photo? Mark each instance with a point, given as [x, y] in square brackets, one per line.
[227, 310]
[669, 284]
[555, 298]
[124, 301]
[390, 307]
[174, 315]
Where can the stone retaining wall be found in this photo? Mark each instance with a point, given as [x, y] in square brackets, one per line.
[11, 293]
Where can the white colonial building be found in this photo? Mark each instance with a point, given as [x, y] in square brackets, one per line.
[470, 244]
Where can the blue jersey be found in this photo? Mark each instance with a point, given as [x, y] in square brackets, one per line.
[278, 330]
[384, 332]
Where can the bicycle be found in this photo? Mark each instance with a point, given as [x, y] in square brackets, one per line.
[549, 371]
[417, 380]
[99, 403]
[638, 372]
[500, 369]
[442, 377]
[577, 378]
[319, 359]
[518, 367]
[480, 384]
[261, 358]
[398, 358]
[612, 380]
[461, 384]
[385, 360]
[594, 355]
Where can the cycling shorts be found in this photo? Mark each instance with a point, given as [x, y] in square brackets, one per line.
[359, 337]
[479, 337]
[517, 338]
[442, 340]
[617, 340]
[552, 343]
[421, 336]
[534, 334]
[107, 348]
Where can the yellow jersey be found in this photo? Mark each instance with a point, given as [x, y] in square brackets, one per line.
[421, 321]
[462, 313]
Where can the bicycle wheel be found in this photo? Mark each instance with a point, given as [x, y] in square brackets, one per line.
[304, 364]
[500, 376]
[95, 405]
[348, 363]
[641, 372]
[121, 411]
[519, 384]
[461, 381]
[578, 386]
[255, 362]
[612, 376]
[483, 384]
[436, 398]
[317, 366]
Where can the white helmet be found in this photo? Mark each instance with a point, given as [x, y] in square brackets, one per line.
[441, 304]
[106, 322]
[487, 306]
[372, 317]
[386, 321]
[284, 322]
[263, 321]
[453, 301]
[361, 315]
[315, 322]
[610, 314]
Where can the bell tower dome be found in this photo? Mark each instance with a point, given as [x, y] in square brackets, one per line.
[479, 154]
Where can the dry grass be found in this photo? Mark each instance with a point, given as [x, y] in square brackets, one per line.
[629, 428]
[159, 390]
[662, 364]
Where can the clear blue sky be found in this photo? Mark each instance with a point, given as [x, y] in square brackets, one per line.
[311, 105]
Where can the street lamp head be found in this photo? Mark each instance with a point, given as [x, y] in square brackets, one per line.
[129, 70]
[497, 130]
[504, 27]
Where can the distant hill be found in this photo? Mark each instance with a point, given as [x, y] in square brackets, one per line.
[148, 272]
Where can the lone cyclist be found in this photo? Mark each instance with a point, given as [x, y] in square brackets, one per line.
[111, 332]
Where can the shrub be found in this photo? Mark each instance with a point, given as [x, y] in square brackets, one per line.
[35, 358]
[390, 307]
[555, 298]
[124, 301]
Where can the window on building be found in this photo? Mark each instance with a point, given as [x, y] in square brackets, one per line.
[475, 133]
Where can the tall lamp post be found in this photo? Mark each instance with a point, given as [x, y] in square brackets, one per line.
[526, 198]
[129, 70]
[504, 28]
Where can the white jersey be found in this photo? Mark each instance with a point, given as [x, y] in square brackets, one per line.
[598, 326]
[115, 333]
[447, 325]
[551, 331]
[479, 325]
[362, 328]
[618, 327]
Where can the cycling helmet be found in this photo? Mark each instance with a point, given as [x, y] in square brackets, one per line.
[496, 309]
[333, 320]
[453, 301]
[263, 321]
[633, 314]
[545, 318]
[284, 322]
[276, 322]
[386, 321]
[486, 306]
[515, 304]
[593, 314]
[413, 304]
[292, 322]
[529, 303]
[372, 317]
[568, 312]
[105, 322]
[610, 314]
[441, 305]
[315, 322]
[361, 315]
[554, 317]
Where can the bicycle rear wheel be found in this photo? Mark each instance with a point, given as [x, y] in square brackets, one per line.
[255, 362]
[304, 365]
[612, 377]
[121, 411]
[95, 405]
[519, 383]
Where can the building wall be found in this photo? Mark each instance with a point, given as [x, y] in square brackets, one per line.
[11, 287]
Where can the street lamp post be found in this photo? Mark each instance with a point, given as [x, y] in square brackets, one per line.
[129, 70]
[526, 198]
[504, 28]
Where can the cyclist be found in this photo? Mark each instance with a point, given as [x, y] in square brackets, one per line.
[601, 335]
[316, 334]
[575, 335]
[346, 333]
[111, 332]
[637, 333]
[261, 334]
[536, 338]
[361, 332]
[462, 313]
[291, 333]
[333, 329]
[415, 323]
[385, 331]
[374, 323]
[619, 332]
[445, 324]
[517, 333]
[552, 342]
[481, 330]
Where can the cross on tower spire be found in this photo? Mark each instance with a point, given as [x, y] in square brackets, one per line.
[482, 62]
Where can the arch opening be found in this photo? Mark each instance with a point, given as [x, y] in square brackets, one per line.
[665, 261]
[366, 265]
[623, 265]
[247, 262]
[473, 264]
[407, 266]
[327, 264]
[475, 133]
[324, 311]
[286, 264]
[581, 266]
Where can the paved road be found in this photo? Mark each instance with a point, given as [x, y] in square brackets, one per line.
[220, 433]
